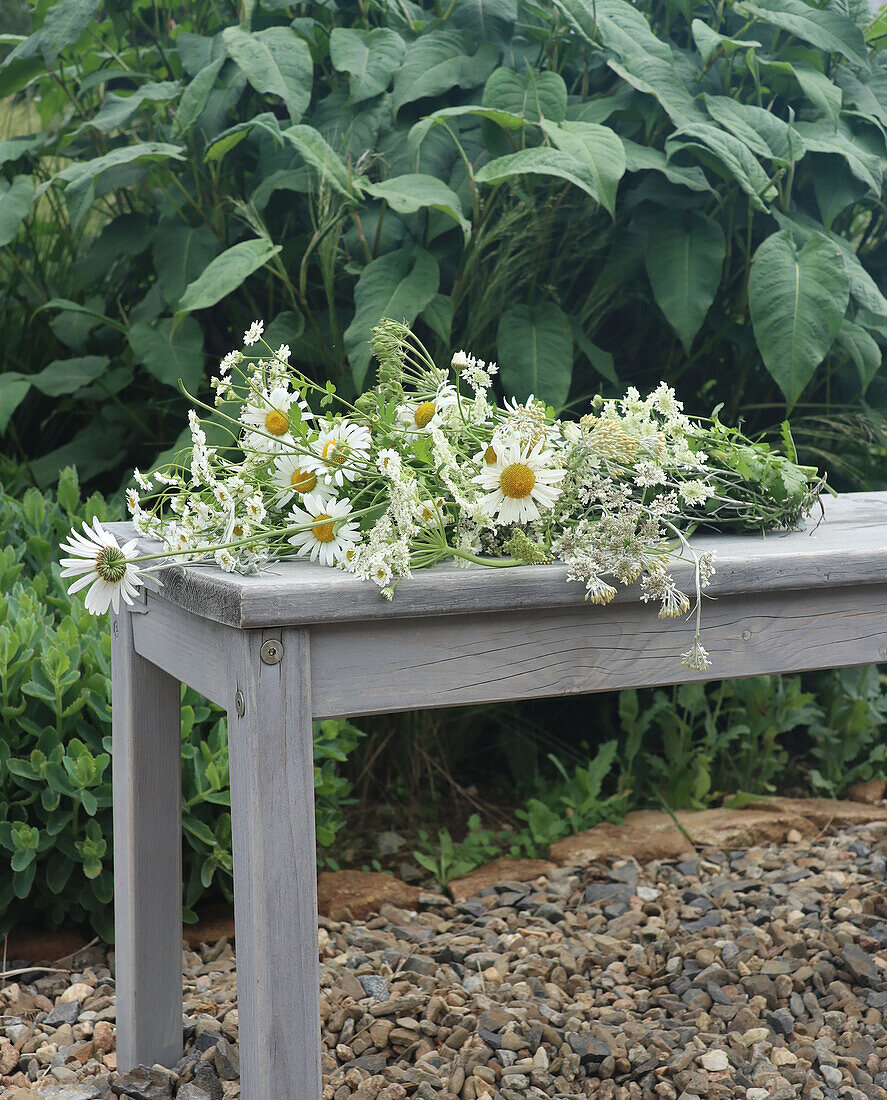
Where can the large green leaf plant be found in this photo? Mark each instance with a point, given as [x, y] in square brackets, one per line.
[589, 191]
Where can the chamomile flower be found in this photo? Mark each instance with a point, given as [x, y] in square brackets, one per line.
[98, 560]
[417, 417]
[294, 475]
[143, 481]
[519, 483]
[328, 534]
[132, 501]
[270, 416]
[255, 507]
[225, 560]
[340, 450]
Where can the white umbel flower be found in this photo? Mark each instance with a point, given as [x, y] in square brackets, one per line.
[98, 560]
[519, 483]
[417, 417]
[328, 534]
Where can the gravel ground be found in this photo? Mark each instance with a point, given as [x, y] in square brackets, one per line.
[756, 973]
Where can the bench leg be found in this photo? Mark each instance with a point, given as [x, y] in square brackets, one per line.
[147, 855]
[275, 878]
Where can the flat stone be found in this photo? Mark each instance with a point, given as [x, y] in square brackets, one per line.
[353, 895]
[144, 1084]
[860, 964]
[66, 1012]
[714, 1061]
[504, 869]
[192, 1092]
[69, 1092]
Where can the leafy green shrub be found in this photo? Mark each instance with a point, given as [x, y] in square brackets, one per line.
[575, 188]
[849, 743]
[55, 740]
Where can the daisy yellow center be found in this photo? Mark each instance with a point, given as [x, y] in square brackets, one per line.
[110, 564]
[303, 481]
[517, 481]
[333, 452]
[237, 530]
[423, 414]
[276, 422]
[324, 528]
[490, 456]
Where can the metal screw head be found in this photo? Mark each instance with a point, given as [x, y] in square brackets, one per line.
[271, 651]
[239, 704]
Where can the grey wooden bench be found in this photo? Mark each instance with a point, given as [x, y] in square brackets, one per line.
[306, 642]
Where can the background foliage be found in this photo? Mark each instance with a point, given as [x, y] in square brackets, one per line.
[585, 190]
[593, 192]
[55, 717]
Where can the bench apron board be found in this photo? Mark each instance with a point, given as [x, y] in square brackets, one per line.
[303, 642]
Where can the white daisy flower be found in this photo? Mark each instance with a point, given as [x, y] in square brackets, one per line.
[328, 535]
[99, 561]
[295, 475]
[143, 481]
[225, 560]
[389, 462]
[254, 333]
[339, 450]
[283, 353]
[132, 501]
[417, 417]
[255, 507]
[519, 483]
[272, 413]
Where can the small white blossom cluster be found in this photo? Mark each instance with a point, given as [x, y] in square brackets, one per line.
[428, 467]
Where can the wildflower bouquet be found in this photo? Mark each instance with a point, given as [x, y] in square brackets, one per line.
[427, 466]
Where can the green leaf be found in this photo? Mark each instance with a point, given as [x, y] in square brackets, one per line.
[539, 162]
[826, 30]
[865, 163]
[170, 352]
[69, 375]
[639, 158]
[727, 155]
[488, 20]
[81, 172]
[195, 96]
[534, 345]
[530, 94]
[797, 302]
[601, 360]
[316, 152]
[371, 58]
[407, 194]
[437, 62]
[275, 61]
[15, 202]
[118, 109]
[399, 284]
[819, 89]
[180, 253]
[16, 147]
[225, 274]
[863, 350]
[660, 79]
[65, 21]
[438, 315]
[708, 41]
[764, 133]
[684, 260]
[599, 150]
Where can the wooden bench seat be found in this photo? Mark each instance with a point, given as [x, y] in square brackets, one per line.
[302, 642]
